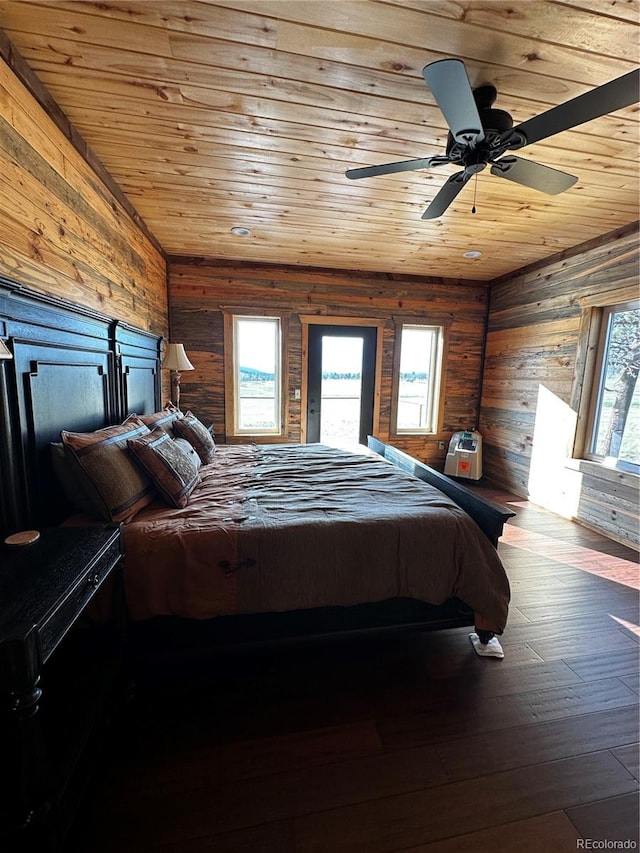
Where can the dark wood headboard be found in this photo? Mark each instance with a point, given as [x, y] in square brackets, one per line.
[71, 369]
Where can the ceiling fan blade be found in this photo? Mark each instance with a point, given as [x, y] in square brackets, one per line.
[600, 101]
[534, 175]
[446, 195]
[400, 166]
[449, 83]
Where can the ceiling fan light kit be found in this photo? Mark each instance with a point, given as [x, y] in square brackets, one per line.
[481, 136]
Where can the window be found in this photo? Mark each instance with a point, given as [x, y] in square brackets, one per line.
[254, 406]
[614, 416]
[419, 368]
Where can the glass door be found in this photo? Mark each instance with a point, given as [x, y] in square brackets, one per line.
[340, 382]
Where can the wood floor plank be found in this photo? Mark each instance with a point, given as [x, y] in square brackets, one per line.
[629, 756]
[453, 661]
[525, 594]
[494, 752]
[226, 763]
[266, 838]
[562, 550]
[609, 820]
[613, 664]
[567, 629]
[577, 607]
[553, 648]
[194, 812]
[548, 832]
[429, 815]
[482, 682]
[452, 716]
[569, 587]
[573, 604]
[458, 664]
[632, 682]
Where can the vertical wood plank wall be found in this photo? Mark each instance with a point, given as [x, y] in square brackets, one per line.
[198, 291]
[532, 370]
[62, 231]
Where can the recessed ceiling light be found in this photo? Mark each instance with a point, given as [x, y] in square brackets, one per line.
[472, 254]
[239, 231]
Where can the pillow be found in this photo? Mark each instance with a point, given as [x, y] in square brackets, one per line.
[190, 450]
[172, 470]
[197, 434]
[162, 419]
[78, 489]
[120, 487]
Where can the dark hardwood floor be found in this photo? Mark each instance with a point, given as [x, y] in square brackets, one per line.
[399, 741]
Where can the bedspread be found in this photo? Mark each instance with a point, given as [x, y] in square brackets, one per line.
[288, 527]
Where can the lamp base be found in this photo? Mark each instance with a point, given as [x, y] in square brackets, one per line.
[175, 388]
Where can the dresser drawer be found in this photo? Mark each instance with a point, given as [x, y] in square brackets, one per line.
[53, 630]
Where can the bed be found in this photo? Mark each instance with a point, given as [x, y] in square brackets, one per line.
[269, 540]
[295, 527]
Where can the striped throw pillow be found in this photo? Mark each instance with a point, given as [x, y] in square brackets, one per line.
[197, 434]
[172, 470]
[120, 486]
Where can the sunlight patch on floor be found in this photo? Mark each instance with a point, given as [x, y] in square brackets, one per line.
[630, 626]
[616, 569]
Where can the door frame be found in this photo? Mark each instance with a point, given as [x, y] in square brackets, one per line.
[307, 320]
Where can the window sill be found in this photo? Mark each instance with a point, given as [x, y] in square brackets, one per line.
[407, 433]
[602, 471]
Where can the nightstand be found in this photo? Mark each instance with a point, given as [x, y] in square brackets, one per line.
[56, 676]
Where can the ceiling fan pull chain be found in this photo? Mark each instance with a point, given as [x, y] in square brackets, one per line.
[475, 189]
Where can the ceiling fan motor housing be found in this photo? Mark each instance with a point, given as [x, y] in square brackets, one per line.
[494, 124]
[495, 121]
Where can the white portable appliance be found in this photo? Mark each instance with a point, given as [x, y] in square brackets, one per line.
[464, 457]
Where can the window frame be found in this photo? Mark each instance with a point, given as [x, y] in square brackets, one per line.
[436, 385]
[232, 429]
[597, 335]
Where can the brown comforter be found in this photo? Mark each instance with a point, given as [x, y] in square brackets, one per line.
[287, 527]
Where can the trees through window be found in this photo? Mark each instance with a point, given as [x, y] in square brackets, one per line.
[614, 434]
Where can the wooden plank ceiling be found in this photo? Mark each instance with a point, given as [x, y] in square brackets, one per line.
[247, 113]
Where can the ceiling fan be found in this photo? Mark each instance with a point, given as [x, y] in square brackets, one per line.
[480, 135]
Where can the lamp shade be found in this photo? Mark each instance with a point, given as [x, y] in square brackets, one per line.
[5, 352]
[175, 358]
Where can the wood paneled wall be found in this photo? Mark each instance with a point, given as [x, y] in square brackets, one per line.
[199, 290]
[533, 381]
[63, 231]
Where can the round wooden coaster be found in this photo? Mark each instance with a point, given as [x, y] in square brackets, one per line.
[25, 537]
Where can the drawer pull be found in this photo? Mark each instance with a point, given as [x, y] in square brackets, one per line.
[94, 580]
